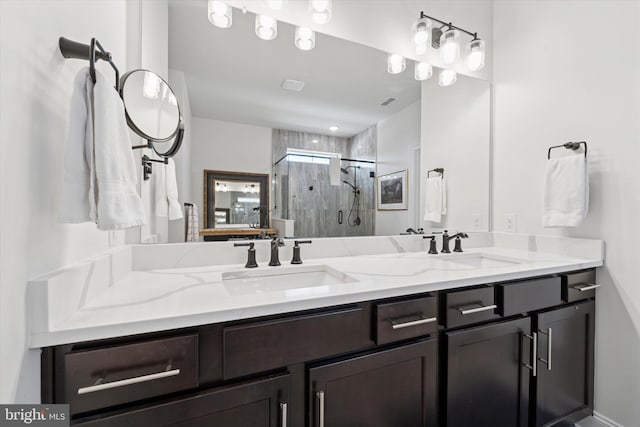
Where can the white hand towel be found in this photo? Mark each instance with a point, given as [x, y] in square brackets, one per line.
[334, 171]
[566, 191]
[166, 190]
[75, 205]
[435, 199]
[115, 170]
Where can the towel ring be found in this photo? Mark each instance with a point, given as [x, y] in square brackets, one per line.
[569, 146]
[436, 170]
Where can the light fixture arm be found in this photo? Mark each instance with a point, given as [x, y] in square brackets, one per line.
[449, 24]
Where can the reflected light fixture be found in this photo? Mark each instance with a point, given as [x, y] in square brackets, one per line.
[266, 27]
[304, 38]
[446, 38]
[276, 4]
[422, 71]
[447, 77]
[320, 11]
[333, 128]
[422, 35]
[396, 63]
[220, 14]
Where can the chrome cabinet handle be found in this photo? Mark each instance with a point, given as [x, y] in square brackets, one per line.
[583, 288]
[478, 309]
[549, 334]
[534, 354]
[320, 395]
[422, 321]
[283, 410]
[128, 381]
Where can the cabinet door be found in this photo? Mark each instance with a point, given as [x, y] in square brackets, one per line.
[564, 385]
[487, 378]
[260, 403]
[388, 388]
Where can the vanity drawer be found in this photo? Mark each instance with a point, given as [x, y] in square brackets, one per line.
[101, 377]
[263, 346]
[529, 295]
[405, 319]
[470, 306]
[578, 286]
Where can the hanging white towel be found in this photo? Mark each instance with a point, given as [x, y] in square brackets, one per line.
[75, 205]
[334, 171]
[566, 191]
[435, 199]
[191, 224]
[100, 170]
[166, 190]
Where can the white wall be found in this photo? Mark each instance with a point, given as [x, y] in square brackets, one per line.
[557, 81]
[35, 89]
[226, 146]
[387, 25]
[396, 135]
[456, 122]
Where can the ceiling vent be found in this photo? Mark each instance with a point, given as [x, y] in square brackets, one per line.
[292, 85]
[387, 102]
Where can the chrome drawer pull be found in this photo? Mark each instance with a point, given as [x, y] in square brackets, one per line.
[320, 396]
[534, 354]
[583, 288]
[395, 325]
[283, 410]
[129, 381]
[478, 309]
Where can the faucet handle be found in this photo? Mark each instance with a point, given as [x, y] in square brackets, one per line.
[432, 244]
[251, 254]
[296, 251]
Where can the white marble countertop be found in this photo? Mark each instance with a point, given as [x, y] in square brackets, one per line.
[160, 299]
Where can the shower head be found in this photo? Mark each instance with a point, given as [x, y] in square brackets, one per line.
[344, 171]
[350, 185]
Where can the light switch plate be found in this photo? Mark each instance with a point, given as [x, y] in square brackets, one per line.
[511, 223]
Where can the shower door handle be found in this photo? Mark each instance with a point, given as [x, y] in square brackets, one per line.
[340, 217]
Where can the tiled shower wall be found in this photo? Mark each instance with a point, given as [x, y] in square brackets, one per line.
[302, 191]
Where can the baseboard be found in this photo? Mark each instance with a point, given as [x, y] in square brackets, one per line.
[605, 421]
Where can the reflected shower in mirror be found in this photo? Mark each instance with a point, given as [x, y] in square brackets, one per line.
[261, 106]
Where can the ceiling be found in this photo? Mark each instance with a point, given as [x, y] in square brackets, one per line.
[232, 75]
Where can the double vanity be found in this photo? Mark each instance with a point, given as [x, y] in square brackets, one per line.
[370, 331]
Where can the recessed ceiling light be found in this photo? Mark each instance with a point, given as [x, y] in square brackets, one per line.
[333, 128]
[315, 141]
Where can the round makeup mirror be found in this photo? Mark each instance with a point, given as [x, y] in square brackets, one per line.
[152, 111]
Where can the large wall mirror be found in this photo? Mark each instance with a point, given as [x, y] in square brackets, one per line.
[266, 107]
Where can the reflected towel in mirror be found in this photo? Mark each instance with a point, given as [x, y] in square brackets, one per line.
[166, 191]
[435, 199]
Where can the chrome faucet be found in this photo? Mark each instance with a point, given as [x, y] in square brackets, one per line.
[458, 245]
[275, 247]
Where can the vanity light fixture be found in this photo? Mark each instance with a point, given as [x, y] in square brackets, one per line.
[305, 38]
[276, 4]
[320, 11]
[396, 63]
[266, 27]
[422, 35]
[446, 38]
[447, 77]
[422, 71]
[220, 14]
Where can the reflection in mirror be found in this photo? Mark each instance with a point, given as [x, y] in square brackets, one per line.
[239, 91]
[236, 201]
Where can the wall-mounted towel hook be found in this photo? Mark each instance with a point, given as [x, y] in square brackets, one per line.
[73, 49]
[436, 170]
[569, 146]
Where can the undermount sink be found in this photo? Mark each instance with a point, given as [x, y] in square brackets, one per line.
[481, 260]
[282, 279]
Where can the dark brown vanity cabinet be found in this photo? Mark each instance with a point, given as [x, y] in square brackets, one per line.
[387, 388]
[511, 354]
